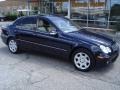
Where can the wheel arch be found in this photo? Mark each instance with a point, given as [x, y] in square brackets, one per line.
[88, 52]
[79, 47]
[10, 37]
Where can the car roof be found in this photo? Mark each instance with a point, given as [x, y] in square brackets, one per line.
[54, 17]
[50, 17]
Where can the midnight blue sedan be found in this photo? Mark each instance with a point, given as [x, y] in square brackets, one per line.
[60, 36]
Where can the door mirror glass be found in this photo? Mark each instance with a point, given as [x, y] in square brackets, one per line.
[53, 33]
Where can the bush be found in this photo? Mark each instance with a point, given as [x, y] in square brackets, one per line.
[11, 17]
[118, 26]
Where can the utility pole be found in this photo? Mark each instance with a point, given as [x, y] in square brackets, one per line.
[69, 9]
[108, 25]
[88, 5]
[28, 7]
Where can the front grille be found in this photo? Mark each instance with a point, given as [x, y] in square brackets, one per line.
[115, 47]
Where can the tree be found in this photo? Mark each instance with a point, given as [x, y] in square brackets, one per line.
[115, 10]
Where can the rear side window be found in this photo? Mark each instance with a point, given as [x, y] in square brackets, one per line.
[18, 22]
[28, 23]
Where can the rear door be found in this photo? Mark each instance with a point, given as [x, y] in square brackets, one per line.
[25, 31]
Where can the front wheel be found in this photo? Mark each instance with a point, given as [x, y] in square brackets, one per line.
[83, 60]
[13, 46]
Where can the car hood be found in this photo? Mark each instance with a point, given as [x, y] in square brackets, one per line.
[92, 37]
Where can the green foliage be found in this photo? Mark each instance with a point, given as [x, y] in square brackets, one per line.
[11, 17]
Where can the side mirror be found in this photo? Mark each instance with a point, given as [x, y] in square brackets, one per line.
[53, 33]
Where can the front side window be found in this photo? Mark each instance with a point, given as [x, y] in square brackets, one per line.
[44, 26]
[28, 23]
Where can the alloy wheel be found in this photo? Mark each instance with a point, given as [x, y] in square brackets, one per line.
[82, 60]
[12, 46]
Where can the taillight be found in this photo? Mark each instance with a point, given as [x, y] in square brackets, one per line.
[4, 31]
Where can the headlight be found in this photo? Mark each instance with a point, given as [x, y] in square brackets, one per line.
[105, 49]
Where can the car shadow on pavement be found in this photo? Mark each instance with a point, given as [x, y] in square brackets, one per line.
[56, 65]
[104, 67]
[53, 63]
[65, 64]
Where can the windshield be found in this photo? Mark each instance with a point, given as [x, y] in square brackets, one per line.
[66, 25]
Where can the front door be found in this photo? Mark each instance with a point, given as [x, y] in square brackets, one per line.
[49, 42]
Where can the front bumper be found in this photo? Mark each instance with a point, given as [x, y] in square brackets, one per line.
[107, 58]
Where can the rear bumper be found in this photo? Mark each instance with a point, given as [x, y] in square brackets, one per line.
[4, 38]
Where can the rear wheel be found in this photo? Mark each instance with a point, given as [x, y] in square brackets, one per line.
[83, 60]
[13, 46]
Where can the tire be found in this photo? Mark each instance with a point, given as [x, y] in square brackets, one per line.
[83, 60]
[13, 46]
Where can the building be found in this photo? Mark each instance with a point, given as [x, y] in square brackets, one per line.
[11, 6]
[92, 13]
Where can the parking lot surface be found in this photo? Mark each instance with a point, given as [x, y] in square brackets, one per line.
[37, 71]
